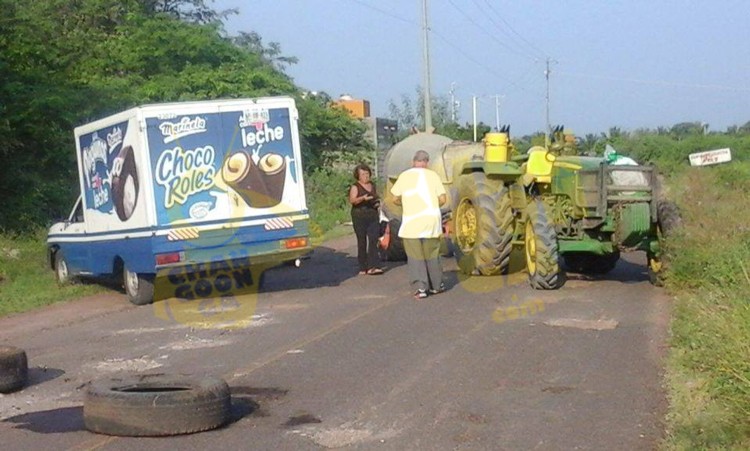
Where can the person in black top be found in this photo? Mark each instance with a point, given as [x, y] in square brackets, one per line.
[366, 220]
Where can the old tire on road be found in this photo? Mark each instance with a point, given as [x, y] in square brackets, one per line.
[156, 405]
[14, 369]
[541, 249]
[476, 234]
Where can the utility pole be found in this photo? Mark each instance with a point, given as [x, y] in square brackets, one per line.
[453, 102]
[546, 76]
[427, 93]
[497, 111]
[474, 115]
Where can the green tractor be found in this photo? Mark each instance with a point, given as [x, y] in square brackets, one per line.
[508, 211]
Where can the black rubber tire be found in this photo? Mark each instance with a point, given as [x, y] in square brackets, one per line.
[156, 405]
[138, 287]
[547, 274]
[669, 220]
[584, 263]
[14, 369]
[483, 257]
[505, 219]
[62, 271]
[395, 251]
[669, 217]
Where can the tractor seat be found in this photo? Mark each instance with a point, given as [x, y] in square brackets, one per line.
[539, 165]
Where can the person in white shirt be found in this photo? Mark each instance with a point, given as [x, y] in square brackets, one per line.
[420, 192]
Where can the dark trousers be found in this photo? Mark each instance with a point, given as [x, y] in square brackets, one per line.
[367, 229]
[423, 259]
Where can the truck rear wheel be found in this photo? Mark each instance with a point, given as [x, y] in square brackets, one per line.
[138, 287]
[477, 237]
[541, 249]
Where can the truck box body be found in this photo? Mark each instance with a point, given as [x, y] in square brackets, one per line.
[177, 187]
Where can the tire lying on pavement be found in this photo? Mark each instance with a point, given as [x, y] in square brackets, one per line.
[14, 369]
[156, 405]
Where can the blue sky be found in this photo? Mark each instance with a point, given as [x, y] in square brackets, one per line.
[630, 64]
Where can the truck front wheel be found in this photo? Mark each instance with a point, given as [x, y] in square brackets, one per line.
[62, 272]
[138, 287]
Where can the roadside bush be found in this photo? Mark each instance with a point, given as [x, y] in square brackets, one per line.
[709, 367]
[327, 198]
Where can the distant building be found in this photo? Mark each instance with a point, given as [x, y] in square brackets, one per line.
[380, 132]
[357, 107]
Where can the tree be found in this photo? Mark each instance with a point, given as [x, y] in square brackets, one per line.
[410, 113]
[64, 63]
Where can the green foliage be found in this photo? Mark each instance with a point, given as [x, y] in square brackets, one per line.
[410, 113]
[66, 63]
[328, 198]
[26, 280]
[709, 370]
[329, 135]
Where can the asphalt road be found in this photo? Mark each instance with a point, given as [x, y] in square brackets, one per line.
[322, 358]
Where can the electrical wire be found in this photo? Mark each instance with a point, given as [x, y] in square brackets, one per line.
[541, 52]
[656, 82]
[474, 60]
[450, 44]
[382, 11]
[490, 34]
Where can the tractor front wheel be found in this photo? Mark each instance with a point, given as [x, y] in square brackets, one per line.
[541, 249]
[475, 232]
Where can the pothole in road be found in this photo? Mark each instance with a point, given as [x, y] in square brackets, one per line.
[302, 418]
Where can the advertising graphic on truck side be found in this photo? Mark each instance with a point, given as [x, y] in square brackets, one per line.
[178, 188]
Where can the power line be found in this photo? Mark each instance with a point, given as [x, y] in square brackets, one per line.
[657, 82]
[490, 34]
[508, 25]
[475, 61]
[384, 12]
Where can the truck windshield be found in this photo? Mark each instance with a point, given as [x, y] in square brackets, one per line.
[77, 214]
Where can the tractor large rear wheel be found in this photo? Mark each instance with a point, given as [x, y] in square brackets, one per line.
[669, 220]
[476, 232]
[541, 249]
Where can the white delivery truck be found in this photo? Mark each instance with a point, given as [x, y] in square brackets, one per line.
[185, 188]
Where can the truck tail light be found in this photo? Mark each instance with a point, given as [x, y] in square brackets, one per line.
[169, 258]
[294, 243]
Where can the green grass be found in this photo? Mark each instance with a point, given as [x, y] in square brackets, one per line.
[26, 280]
[708, 373]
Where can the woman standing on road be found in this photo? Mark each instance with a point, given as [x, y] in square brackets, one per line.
[366, 220]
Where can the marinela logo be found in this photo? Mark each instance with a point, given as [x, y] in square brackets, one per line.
[173, 131]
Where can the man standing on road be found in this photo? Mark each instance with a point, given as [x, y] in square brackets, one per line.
[421, 194]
